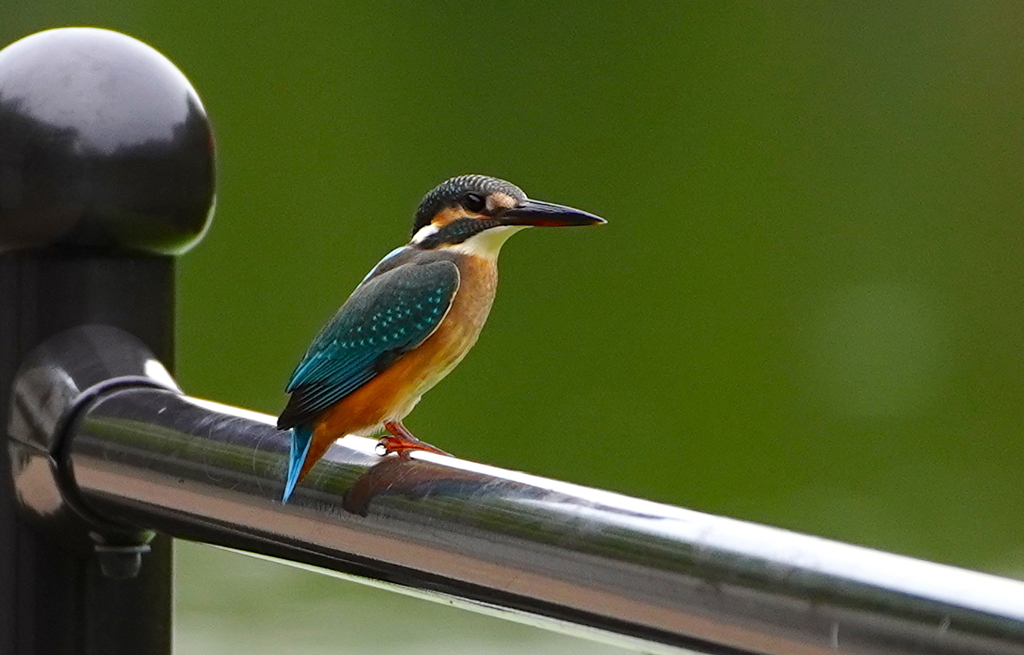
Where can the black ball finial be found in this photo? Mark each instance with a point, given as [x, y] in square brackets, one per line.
[104, 147]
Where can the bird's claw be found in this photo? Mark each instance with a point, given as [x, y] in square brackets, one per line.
[389, 443]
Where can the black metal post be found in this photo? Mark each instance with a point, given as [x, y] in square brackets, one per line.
[106, 173]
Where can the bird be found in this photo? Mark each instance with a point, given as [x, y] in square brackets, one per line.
[410, 321]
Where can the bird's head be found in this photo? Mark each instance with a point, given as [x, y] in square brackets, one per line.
[475, 214]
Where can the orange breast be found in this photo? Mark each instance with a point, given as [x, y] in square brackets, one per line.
[392, 394]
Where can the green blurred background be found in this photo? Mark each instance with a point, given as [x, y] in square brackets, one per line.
[806, 309]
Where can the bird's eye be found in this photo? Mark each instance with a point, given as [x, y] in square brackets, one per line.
[474, 202]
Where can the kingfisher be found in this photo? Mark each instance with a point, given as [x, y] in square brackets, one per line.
[410, 321]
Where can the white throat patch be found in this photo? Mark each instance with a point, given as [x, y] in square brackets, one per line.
[486, 244]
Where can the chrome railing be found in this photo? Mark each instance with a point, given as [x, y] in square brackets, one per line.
[137, 455]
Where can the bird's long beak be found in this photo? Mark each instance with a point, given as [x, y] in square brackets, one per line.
[547, 214]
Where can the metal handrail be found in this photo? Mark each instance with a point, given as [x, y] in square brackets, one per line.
[137, 454]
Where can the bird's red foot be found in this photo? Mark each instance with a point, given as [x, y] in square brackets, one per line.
[391, 444]
[402, 441]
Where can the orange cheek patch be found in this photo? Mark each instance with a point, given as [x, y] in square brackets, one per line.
[449, 214]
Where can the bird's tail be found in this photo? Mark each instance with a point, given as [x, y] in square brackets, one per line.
[302, 436]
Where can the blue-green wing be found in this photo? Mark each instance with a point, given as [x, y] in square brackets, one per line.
[386, 316]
